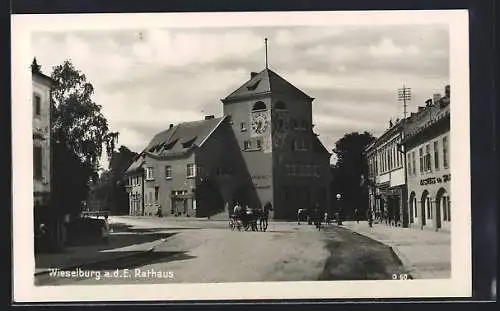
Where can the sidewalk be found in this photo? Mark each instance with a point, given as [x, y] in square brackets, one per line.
[426, 254]
[121, 245]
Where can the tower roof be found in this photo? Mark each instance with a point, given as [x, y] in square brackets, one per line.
[265, 82]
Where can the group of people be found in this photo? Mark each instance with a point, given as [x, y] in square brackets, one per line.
[255, 219]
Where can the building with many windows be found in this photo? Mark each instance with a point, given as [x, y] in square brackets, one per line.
[427, 144]
[263, 149]
[386, 175]
[409, 168]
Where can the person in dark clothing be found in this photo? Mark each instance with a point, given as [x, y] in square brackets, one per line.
[356, 215]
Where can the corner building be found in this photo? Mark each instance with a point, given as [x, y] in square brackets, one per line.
[427, 145]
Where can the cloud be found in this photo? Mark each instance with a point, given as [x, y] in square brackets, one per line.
[146, 79]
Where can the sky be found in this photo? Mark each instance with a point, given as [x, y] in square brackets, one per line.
[145, 79]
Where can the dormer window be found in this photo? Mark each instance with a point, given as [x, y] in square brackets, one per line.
[253, 86]
[259, 106]
[188, 143]
[37, 105]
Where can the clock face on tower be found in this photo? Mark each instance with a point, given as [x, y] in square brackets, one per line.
[259, 122]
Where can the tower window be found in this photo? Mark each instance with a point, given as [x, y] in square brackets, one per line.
[280, 105]
[259, 106]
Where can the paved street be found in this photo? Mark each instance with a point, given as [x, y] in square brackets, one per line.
[197, 251]
[427, 254]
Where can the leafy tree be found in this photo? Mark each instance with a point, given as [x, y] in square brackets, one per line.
[347, 171]
[80, 135]
[109, 188]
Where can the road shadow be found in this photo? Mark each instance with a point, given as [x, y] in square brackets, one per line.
[131, 260]
[95, 250]
[356, 257]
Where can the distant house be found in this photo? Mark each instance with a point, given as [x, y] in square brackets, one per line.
[181, 171]
[263, 149]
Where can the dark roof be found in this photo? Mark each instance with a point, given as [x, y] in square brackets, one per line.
[265, 82]
[178, 140]
[318, 146]
[43, 77]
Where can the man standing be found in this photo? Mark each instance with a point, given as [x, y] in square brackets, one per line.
[356, 215]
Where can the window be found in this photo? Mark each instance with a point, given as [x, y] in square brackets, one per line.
[316, 171]
[414, 163]
[168, 172]
[436, 155]
[259, 144]
[149, 173]
[157, 190]
[299, 144]
[191, 170]
[37, 102]
[37, 162]
[280, 105]
[259, 106]
[421, 158]
[428, 166]
[445, 152]
[293, 170]
[246, 145]
[409, 164]
[243, 126]
[429, 208]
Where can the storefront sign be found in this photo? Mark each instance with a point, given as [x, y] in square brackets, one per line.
[435, 180]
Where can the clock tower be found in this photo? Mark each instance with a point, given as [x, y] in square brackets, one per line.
[272, 122]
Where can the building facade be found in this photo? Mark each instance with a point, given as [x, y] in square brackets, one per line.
[263, 149]
[386, 174]
[427, 145]
[272, 122]
[41, 139]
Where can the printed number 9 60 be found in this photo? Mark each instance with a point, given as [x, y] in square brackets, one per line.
[400, 277]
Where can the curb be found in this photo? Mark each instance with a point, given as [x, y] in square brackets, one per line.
[86, 264]
[409, 267]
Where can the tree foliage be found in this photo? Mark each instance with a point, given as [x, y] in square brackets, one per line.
[109, 190]
[77, 121]
[347, 171]
[80, 134]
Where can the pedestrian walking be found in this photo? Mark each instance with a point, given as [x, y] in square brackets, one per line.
[369, 216]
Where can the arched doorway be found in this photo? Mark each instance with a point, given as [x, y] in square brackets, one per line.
[443, 208]
[413, 208]
[425, 208]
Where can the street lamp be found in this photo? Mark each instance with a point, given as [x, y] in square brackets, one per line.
[339, 208]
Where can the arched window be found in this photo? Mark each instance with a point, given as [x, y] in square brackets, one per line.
[259, 106]
[280, 105]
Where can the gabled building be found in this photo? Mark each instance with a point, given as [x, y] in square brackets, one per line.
[263, 149]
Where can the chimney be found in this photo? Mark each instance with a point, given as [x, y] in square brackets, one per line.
[209, 117]
[171, 126]
[253, 74]
[447, 91]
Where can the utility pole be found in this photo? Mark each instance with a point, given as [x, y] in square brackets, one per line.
[265, 43]
[404, 95]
